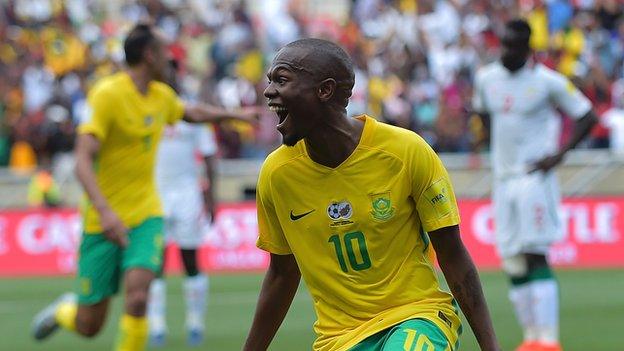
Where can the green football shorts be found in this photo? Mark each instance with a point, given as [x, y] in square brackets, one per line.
[411, 335]
[101, 263]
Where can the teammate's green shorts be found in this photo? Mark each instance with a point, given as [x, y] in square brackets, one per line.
[101, 263]
[411, 335]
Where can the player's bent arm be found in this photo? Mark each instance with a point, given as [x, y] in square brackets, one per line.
[582, 127]
[463, 280]
[278, 289]
[202, 113]
[208, 191]
[87, 148]
[484, 117]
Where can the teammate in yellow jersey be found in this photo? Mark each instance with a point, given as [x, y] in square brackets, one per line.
[351, 204]
[123, 227]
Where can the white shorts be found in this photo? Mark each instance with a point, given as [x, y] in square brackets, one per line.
[526, 214]
[184, 216]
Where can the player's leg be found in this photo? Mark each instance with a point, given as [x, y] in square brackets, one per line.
[157, 301]
[157, 309]
[541, 227]
[141, 261]
[195, 295]
[509, 243]
[189, 237]
[98, 279]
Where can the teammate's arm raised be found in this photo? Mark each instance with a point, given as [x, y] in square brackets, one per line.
[202, 113]
[278, 289]
[87, 148]
[463, 280]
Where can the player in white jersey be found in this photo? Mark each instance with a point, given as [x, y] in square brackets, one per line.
[187, 191]
[518, 101]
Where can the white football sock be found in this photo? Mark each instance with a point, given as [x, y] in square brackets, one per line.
[195, 294]
[156, 306]
[546, 309]
[522, 299]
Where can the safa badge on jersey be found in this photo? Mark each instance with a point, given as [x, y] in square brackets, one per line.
[381, 206]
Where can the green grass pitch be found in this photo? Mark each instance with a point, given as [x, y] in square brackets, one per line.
[592, 314]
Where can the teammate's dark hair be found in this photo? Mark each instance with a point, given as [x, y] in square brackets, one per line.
[139, 39]
[326, 59]
[521, 27]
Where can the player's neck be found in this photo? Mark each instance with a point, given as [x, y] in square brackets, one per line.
[140, 78]
[334, 142]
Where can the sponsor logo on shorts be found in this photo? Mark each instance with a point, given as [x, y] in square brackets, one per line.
[85, 286]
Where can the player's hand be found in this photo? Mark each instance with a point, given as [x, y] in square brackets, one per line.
[546, 163]
[209, 206]
[212, 212]
[113, 228]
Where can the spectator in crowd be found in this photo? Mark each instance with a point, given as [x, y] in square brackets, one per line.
[412, 57]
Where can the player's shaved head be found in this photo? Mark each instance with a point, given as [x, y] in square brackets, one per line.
[321, 59]
[515, 47]
[517, 32]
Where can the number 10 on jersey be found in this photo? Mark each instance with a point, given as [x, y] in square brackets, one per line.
[356, 263]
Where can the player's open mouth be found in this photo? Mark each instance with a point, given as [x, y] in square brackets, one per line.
[282, 113]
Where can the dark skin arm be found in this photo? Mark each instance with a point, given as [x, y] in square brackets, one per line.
[463, 280]
[582, 127]
[278, 289]
[202, 113]
[208, 192]
[485, 123]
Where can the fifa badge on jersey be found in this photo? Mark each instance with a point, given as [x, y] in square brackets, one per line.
[438, 196]
[381, 206]
[340, 212]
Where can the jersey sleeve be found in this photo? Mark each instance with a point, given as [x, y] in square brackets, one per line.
[270, 234]
[205, 143]
[478, 103]
[98, 117]
[176, 106]
[567, 96]
[432, 190]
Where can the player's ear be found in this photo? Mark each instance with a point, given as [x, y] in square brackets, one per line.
[326, 89]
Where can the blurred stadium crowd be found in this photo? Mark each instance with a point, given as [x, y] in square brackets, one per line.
[415, 61]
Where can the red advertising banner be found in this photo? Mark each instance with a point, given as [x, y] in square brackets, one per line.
[592, 233]
[44, 242]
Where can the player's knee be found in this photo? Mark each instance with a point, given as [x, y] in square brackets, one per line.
[191, 269]
[189, 259]
[515, 266]
[526, 267]
[89, 327]
[136, 302]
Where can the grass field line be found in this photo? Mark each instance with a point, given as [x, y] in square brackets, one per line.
[214, 298]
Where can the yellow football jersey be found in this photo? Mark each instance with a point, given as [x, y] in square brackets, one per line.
[129, 126]
[358, 232]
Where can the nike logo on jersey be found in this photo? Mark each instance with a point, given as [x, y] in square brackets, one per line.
[295, 217]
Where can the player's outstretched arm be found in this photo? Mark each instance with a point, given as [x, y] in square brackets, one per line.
[278, 289]
[202, 113]
[463, 280]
